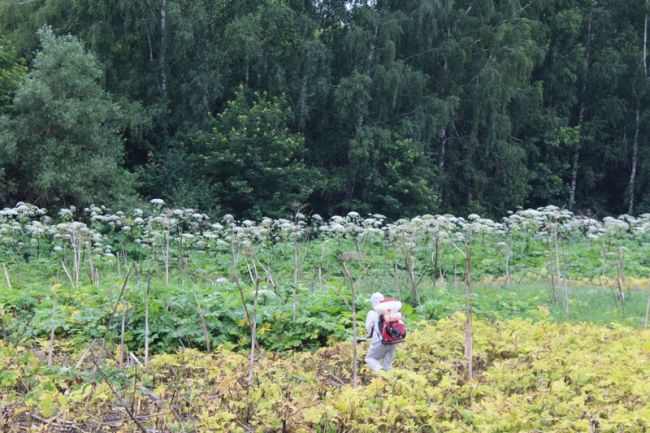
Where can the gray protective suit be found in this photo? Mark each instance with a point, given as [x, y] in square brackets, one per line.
[379, 356]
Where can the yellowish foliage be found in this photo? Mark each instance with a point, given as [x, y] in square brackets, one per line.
[530, 377]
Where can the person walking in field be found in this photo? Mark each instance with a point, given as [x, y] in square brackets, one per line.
[385, 329]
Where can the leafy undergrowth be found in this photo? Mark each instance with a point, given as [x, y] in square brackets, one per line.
[531, 377]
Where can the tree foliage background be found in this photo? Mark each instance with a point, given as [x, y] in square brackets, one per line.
[261, 107]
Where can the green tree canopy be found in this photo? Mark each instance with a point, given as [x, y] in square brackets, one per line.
[391, 173]
[62, 142]
[251, 160]
[468, 102]
[12, 73]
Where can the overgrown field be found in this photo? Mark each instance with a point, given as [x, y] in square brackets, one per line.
[162, 320]
[531, 376]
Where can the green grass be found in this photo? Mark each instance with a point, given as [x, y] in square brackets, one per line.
[534, 299]
[321, 313]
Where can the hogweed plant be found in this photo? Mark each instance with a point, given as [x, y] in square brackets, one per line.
[165, 241]
[612, 231]
[406, 236]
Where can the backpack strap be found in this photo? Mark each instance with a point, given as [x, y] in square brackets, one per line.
[380, 323]
[379, 318]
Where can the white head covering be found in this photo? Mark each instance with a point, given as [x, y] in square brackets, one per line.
[376, 298]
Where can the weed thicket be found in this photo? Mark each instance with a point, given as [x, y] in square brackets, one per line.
[164, 304]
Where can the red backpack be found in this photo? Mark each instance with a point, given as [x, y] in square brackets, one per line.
[391, 326]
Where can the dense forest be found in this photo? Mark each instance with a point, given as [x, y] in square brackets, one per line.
[265, 107]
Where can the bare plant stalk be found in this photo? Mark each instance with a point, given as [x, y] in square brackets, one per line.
[7, 279]
[235, 259]
[320, 277]
[294, 300]
[204, 328]
[76, 256]
[85, 354]
[120, 401]
[77, 270]
[180, 251]
[621, 277]
[135, 359]
[566, 280]
[469, 337]
[67, 273]
[506, 281]
[550, 269]
[410, 268]
[397, 282]
[112, 316]
[434, 260]
[74, 259]
[166, 256]
[353, 307]
[269, 273]
[603, 273]
[146, 322]
[91, 265]
[647, 308]
[3, 330]
[122, 331]
[296, 261]
[243, 301]
[250, 273]
[251, 361]
[557, 262]
[119, 299]
[50, 351]
[297, 271]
